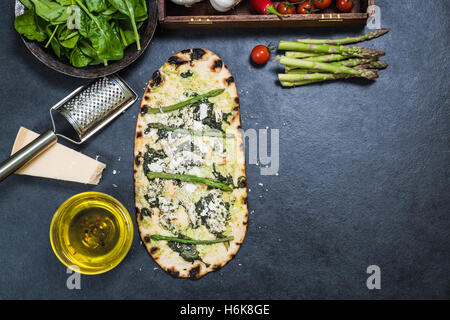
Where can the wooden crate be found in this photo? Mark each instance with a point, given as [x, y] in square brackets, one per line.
[203, 15]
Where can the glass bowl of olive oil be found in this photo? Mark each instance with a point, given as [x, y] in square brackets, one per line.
[91, 232]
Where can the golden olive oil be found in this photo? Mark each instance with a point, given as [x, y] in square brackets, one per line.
[92, 231]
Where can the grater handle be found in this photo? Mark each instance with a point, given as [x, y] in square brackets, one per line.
[31, 150]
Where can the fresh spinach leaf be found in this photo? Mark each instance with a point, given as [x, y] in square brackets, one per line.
[26, 24]
[52, 12]
[102, 35]
[96, 5]
[65, 2]
[140, 9]
[128, 7]
[87, 49]
[109, 11]
[71, 42]
[79, 59]
[187, 251]
[127, 36]
[27, 4]
[56, 48]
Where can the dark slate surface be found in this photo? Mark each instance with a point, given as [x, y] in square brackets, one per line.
[364, 172]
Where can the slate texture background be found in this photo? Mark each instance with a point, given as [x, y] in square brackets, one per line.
[363, 179]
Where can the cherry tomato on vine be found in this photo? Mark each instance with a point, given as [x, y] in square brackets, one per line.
[260, 54]
[344, 5]
[305, 8]
[322, 4]
[286, 8]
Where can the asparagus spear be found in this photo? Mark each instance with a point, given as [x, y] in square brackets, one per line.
[327, 67]
[295, 54]
[190, 241]
[373, 65]
[187, 102]
[208, 133]
[344, 63]
[191, 179]
[351, 62]
[288, 69]
[299, 77]
[331, 49]
[366, 63]
[292, 81]
[305, 82]
[359, 63]
[326, 58]
[300, 83]
[306, 71]
[371, 35]
[291, 77]
[297, 83]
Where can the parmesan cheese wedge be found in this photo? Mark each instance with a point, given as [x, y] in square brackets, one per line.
[58, 162]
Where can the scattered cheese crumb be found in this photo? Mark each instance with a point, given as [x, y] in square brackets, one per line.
[260, 184]
[114, 185]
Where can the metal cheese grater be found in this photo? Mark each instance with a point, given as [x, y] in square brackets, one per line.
[85, 111]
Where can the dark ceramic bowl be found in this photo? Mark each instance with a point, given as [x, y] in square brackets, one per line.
[47, 56]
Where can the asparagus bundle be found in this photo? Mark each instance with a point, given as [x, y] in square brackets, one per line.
[315, 60]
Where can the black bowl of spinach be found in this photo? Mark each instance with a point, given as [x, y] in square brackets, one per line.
[86, 38]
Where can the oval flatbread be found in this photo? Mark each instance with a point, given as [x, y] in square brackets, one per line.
[189, 168]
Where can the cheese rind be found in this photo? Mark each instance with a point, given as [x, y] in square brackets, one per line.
[58, 162]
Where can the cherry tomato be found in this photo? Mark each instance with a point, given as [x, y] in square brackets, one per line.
[286, 8]
[322, 4]
[344, 5]
[305, 7]
[260, 54]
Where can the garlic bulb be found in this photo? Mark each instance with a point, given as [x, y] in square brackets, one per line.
[186, 3]
[224, 5]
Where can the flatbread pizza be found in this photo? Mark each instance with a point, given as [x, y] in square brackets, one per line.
[189, 170]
